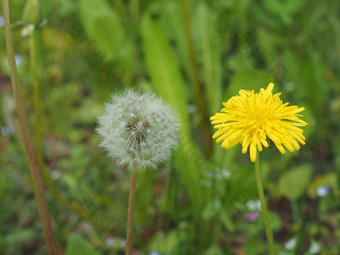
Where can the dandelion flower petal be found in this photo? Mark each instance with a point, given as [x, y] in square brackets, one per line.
[251, 118]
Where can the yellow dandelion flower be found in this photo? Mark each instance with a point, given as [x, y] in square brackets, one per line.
[250, 118]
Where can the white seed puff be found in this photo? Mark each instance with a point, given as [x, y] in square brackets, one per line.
[138, 129]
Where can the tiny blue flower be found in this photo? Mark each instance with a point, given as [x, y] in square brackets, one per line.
[2, 21]
[211, 174]
[322, 191]
[224, 174]
[154, 252]
[7, 130]
[18, 59]
[290, 245]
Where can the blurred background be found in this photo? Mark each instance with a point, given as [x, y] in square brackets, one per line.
[195, 54]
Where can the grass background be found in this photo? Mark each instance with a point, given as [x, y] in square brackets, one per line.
[197, 202]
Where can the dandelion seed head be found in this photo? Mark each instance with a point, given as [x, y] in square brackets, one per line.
[250, 118]
[138, 130]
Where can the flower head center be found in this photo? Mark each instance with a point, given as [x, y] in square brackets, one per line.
[138, 128]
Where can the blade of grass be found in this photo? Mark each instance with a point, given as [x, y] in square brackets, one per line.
[166, 79]
[209, 46]
[200, 100]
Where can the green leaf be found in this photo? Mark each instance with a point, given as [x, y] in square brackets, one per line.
[163, 68]
[214, 250]
[243, 185]
[254, 247]
[77, 245]
[102, 24]
[212, 209]
[293, 184]
[167, 81]
[176, 32]
[250, 79]
[209, 51]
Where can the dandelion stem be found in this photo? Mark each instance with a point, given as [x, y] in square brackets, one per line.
[28, 141]
[269, 233]
[129, 228]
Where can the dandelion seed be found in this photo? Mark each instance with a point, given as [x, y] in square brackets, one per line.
[250, 118]
[138, 130]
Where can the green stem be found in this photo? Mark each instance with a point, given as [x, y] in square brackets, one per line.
[28, 141]
[134, 13]
[269, 233]
[120, 8]
[129, 227]
[199, 86]
[38, 134]
[36, 94]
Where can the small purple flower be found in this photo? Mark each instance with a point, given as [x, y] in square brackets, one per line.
[252, 216]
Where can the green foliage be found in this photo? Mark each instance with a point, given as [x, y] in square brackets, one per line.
[102, 23]
[90, 49]
[209, 51]
[77, 245]
[250, 79]
[294, 182]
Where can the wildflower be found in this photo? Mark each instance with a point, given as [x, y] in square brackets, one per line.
[314, 248]
[154, 252]
[322, 191]
[18, 59]
[7, 130]
[2, 21]
[250, 118]
[110, 241]
[251, 217]
[224, 174]
[290, 245]
[138, 129]
[254, 205]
